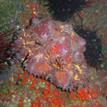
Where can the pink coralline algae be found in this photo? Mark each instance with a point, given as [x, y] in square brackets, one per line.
[52, 50]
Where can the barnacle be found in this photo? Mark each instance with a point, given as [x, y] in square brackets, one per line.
[57, 64]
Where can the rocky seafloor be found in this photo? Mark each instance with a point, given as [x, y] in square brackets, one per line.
[18, 87]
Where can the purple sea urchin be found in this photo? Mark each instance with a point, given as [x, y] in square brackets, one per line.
[93, 52]
[63, 9]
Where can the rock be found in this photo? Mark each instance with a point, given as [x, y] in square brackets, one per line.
[52, 49]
